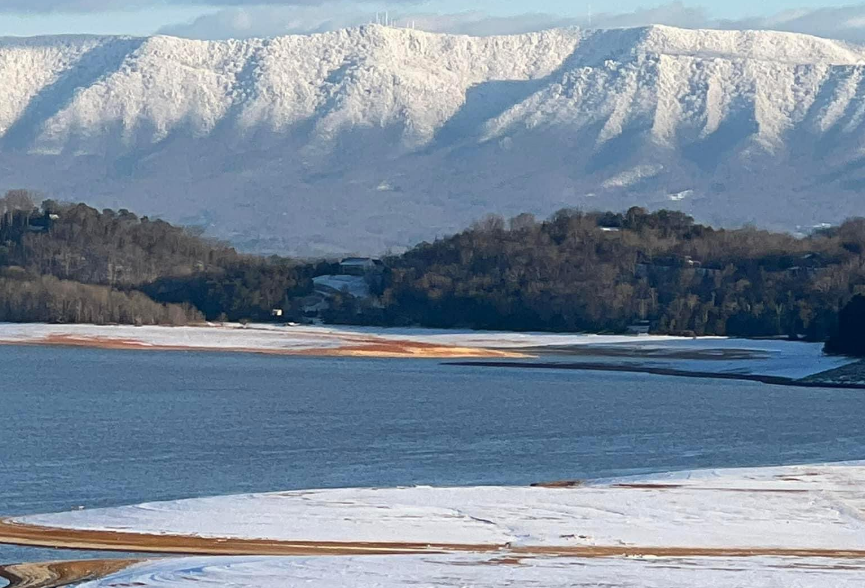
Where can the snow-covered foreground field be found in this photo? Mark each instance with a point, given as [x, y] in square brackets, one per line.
[710, 354]
[775, 526]
[485, 572]
[791, 507]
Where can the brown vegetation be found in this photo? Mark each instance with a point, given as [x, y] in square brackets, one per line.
[19, 534]
[114, 267]
[396, 349]
[61, 573]
[576, 271]
[355, 347]
[597, 272]
[46, 299]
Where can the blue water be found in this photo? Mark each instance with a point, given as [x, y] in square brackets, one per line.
[103, 428]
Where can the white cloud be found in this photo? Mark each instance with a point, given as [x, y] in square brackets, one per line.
[307, 16]
[839, 22]
[246, 18]
[72, 6]
[263, 21]
[266, 21]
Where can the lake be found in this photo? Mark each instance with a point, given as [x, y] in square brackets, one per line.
[89, 427]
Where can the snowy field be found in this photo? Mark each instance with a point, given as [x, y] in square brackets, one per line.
[277, 337]
[792, 507]
[710, 354]
[768, 357]
[793, 526]
[484, 572]
[227, 337]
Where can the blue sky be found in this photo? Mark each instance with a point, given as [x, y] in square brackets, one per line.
[243, 18]
[133, 22]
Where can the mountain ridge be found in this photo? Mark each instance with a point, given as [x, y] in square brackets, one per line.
[340, 141]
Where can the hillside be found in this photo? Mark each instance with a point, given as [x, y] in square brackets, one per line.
[70, 263]
[597, 272]
[342, 141]
[575, 272]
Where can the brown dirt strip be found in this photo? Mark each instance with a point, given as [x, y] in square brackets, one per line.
[397, 349]
[61, 573]
[559, 484]
[360, 347]
[565, 484]
[30, 535]
[596, 551]
[645, 486]
[638, 350]
[35, 536]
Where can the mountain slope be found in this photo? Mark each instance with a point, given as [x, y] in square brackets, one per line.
[370, 138]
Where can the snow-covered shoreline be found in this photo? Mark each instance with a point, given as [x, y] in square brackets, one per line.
[262, 338]
[793, 507]
[770, 526]
[708, 355]
[487, 572]
[271, 336]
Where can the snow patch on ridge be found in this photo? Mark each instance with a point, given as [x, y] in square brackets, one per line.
[311, 124]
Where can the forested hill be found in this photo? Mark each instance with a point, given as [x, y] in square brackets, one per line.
[603, 272]
[576, 271]
[136, 270]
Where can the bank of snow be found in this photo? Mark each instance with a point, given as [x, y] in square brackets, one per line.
[793, 507]
[707, 355]
[792, 526]
[297, 338]
[251, 339]
[487, 572]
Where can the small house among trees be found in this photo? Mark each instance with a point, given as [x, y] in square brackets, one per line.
[360, 266]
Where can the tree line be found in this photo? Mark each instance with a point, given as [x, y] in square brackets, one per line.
[175, 268]
[586, 271]
[46, 299]
[575, 271]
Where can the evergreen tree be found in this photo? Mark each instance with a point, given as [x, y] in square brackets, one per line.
[849, 338]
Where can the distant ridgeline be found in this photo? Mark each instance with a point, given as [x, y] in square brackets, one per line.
[576, 271]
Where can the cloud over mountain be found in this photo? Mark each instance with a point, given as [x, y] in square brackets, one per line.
[35, 6]
[273, 18]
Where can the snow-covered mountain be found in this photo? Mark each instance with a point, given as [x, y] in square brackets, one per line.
[370, 138]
